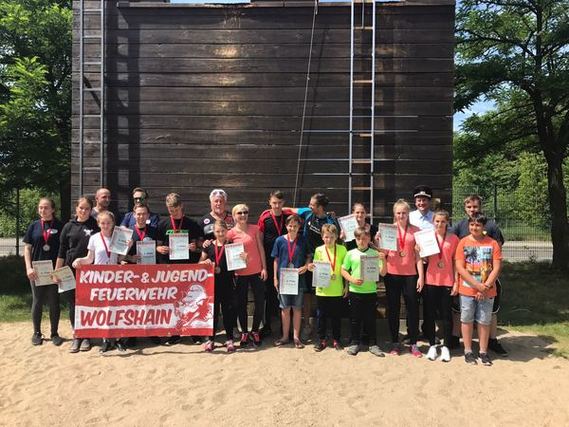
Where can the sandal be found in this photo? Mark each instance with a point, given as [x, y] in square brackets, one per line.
[280, 342]
[298, 344]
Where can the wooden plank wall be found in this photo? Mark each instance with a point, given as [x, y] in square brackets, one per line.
[204, 97]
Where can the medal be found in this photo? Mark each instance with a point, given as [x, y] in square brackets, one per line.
[402, 254]
[401, 240]
[278, 226]
[45, 247]
[45, 234]
[176, 229]
[290, 265]
[332, 263]
[217, 270]
[107, 251]
[140, 233]
[291, 249]
[218, 255]
[332, 276]
[440, 264]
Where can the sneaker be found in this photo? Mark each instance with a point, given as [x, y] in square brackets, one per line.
[415, 351]
[445, 354]
[470, 358]
[319, 346]
[485, 359]
[496, 347]
[454, 342]
[105, 346]
[395, 350]
[120, 345]
[85, 344]
[306, 332]
[432, 353]
[376, 351]
[353, 349]
[56, 339]
[75, 345]
[174, 339]
[337, 345]
[256, 339]
[37, 338]
[244, 340]
[197, 339]
[230, 346]
[208, 346]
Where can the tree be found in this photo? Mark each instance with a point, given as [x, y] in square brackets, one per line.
[515, 53]
[35, 96]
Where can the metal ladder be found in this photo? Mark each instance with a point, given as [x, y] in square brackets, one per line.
[94, 64]
[366, 29]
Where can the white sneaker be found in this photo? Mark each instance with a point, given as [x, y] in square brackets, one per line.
[445, 354]
[432, 353]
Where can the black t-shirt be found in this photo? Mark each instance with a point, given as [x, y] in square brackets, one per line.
[207, 221]
[223, 276]
[491, 229]
[270, 230]
[352, 244]
[75, 238]
[34, 236]
[185, 225]
[313, 230]
[149, 233]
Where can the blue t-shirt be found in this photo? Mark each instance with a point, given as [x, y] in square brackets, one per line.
[129, 220]
[280, 251]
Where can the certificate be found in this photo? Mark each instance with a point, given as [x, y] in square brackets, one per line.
[178, 243]
[119, 240]
[348, 224]
[427, 242]
[233, 253]
[369, 268]
[288, 283]
[322, 274]
[43, 270]
[66, 278]
[146, 250]
[388, 236]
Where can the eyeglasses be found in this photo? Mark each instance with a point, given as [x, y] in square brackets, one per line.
[242, 213]
[138, 198]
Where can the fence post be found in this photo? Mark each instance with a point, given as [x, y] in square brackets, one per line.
[17, 221]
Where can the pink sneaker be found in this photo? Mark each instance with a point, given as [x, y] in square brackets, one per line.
[395, 350]
[415, 351]
[230, 347]
[208, 346]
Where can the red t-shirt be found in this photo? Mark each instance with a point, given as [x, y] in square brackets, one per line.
[478, 258]
[249, 240]
[404, 265]
[443, 276]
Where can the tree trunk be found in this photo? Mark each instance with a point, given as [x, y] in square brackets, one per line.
[558, 208]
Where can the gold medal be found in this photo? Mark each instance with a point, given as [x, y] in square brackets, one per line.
[290, 265]
[402, 253]
[441, 264]
[45, 248]
[217, 270]
[332, 276]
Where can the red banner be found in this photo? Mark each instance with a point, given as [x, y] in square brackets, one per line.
[114, 301]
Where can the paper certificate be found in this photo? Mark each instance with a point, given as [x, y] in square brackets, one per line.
[66, 278]
[178, 243]
[233, 253]
[348, 224]
[288, 283]
[322, 274]
[119, 240]
[369, 268]
[427, 242]
[43, 270]
[146, 250]
[388, 236]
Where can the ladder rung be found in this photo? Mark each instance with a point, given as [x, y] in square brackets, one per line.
[360, 107]
[362, 82]
[91, 168]
[366, 28]
[91, 89]
[92, 63]
[92, 116]
[92, 10]
[90, 36]
[365, 135]
[361, 161]
[361, 188]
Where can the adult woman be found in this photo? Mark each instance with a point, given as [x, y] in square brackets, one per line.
[99, 254]
[42, 244]
[74, 240]
[218, 201]
[359, 210]
[253, 275]
[404, 276]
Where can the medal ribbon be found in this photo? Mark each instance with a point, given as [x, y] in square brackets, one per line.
[105, 245]
[291, 252]
[176, 229]
[440, 244]
[333, 264]
[218, 255]
[280, 226]
[142, 235]
[402, 240]
[45, 233]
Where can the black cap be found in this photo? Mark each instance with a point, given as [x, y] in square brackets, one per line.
[423, 190]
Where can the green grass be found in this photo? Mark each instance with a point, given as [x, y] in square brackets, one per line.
[524, 232]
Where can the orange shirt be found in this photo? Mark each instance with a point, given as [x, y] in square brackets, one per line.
[404, 265]
[249, 240]
[443, 276]
[478, 258]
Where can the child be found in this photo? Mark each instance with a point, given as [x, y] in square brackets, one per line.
[329, 298]
[289, 251]
[440, 287]
[478, 262]
[362, 294]
[224, 285]
[100, 254]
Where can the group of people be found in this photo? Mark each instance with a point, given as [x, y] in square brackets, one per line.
[465, 270]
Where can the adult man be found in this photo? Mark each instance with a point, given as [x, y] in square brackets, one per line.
[140, 196]
[423, 216]
[473, 206]
[102, 201]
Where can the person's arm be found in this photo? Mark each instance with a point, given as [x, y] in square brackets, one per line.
[85, 260]
[275, 274]
[420, 271]
[383, 264]
[204, 259]
[28, 260]
[261, 250]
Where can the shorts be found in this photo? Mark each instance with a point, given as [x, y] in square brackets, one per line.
[495, 309]
[291, 301]
[476, 311]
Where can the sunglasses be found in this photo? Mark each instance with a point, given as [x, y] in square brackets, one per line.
[242, 213]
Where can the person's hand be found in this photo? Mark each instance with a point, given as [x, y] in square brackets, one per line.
[487, 285]
[382, 255]
[130, 243]
[76, 264]
[342, 235]
[264, 274]
[454, 290]
[206, 261]
[302, 269]
[276, 283]
[243, 256]
[123, 262]
[480, 287]
[55, 279]
[206, 243]
[311, 266]
[345, 293]
[164, 250]
[31, 274]
[356, 281]
[193, 246]
[420, 284]
[480, 296]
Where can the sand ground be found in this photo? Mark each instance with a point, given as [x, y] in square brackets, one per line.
[182, 385]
